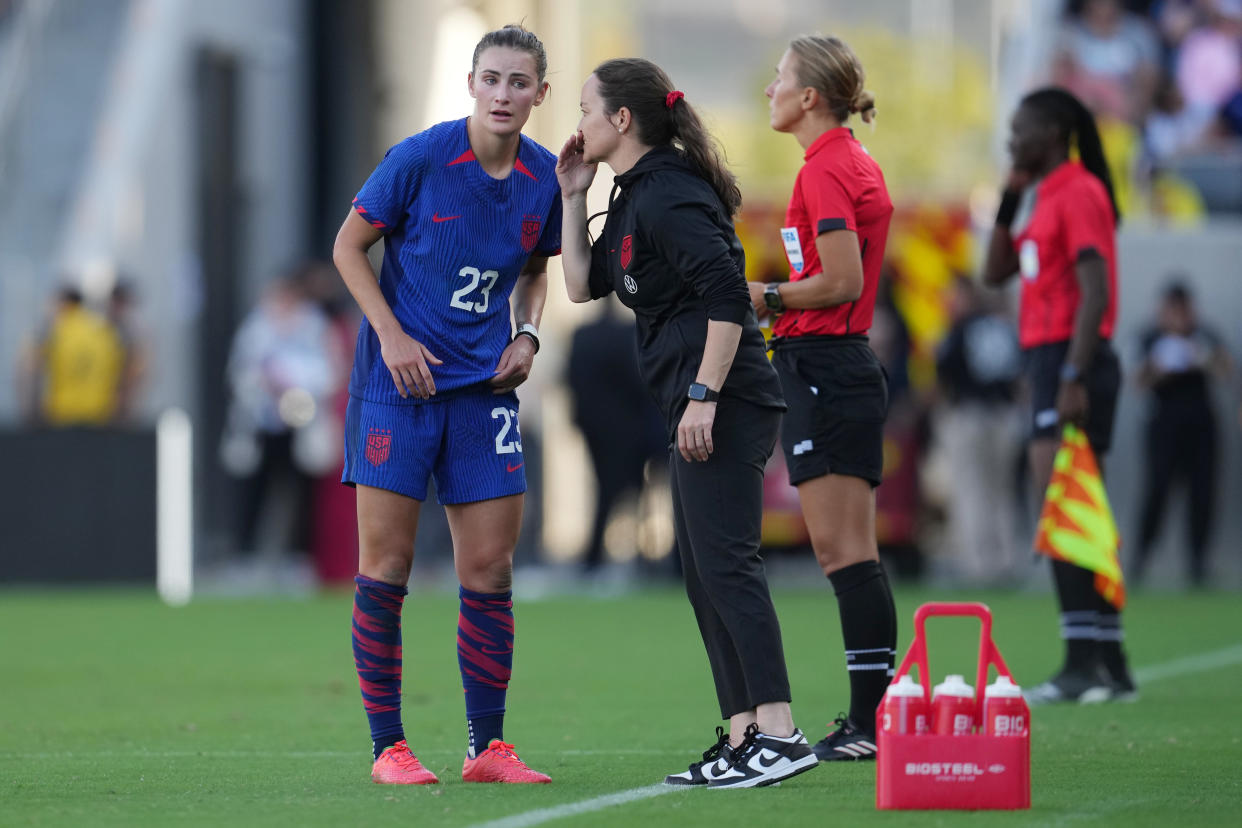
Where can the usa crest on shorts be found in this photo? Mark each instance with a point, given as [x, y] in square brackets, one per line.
[379, 441]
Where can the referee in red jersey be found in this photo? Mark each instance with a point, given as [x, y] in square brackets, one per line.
[835, 230]
[1057, 227]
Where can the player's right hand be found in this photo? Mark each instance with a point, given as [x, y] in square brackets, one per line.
[407, 360]
[572, 172]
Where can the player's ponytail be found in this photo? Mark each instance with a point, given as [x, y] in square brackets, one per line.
[663, 117]
[1077, 128]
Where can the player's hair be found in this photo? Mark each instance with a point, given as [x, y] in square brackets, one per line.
[643, 88]
[514, 36]
[830, 67]
[1076, 127]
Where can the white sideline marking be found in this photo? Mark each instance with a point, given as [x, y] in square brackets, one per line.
[1189, 664]
[1169, 669]
[586, 806]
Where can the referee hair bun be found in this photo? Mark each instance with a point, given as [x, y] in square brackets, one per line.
[864, 104]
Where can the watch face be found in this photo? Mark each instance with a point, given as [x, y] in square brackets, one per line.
[697, 391]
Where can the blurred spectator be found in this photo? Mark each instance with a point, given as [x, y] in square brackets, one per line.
[898, 498]
[890, 339]
[70, 374]
[978, 426]
[122, 310]
[334, 540]
[1229, 123]
[282, 372]
[1110, 59]
[1209, 60]
[614, 410]
[1172, 128]
[1179, 356]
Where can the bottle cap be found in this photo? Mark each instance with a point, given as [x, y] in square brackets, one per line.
[953, 685]
[905, 687]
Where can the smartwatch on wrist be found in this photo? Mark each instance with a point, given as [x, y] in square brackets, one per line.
[1070, 373]
[701, 393]
[527, 329]
[772, 297]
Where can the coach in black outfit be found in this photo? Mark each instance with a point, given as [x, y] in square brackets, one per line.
[669, 251]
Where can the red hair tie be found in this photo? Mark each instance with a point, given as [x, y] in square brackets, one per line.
[672, 98]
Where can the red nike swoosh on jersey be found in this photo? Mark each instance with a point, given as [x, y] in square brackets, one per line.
[437, 218]
[514, 468]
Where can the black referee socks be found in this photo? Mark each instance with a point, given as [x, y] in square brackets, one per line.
[869, 630]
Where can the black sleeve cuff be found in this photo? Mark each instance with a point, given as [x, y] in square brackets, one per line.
[829, 224]
[1086, 254]
[730, 311]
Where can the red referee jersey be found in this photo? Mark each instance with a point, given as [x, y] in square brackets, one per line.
[840, 187]
[1071, 217]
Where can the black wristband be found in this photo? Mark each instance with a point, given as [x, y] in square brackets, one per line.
[528, 330]
[1008, 207]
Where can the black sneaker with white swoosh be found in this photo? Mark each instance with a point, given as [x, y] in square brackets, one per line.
[765, 760]
[715, 759]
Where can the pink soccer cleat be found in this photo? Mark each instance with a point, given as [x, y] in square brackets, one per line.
[500, 764]
[397, 766]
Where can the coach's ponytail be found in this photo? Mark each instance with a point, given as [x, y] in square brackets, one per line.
[702, 152]
[1077, 127]
[663, 117]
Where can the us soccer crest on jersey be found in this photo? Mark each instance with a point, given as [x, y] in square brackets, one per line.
[531, 226]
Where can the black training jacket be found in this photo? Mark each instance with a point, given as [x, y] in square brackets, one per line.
[669, 251]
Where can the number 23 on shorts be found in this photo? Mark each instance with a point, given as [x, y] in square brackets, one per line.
[509, 437]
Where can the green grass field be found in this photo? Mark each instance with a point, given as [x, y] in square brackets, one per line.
[117, 710]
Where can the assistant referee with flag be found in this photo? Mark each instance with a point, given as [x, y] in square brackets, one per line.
[1057, 226]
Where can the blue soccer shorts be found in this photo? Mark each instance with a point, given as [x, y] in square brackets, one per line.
[469, 442]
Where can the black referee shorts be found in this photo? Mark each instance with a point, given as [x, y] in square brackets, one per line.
[1103, 381]
[837, 394]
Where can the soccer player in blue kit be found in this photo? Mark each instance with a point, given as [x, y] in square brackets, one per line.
[469, 211]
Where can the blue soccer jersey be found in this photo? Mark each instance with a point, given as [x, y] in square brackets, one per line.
[455, 241]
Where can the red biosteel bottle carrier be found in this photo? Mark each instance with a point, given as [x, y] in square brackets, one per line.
[987, 767]
[904, 708]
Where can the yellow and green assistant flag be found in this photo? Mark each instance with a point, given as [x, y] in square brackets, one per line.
[1077, 523]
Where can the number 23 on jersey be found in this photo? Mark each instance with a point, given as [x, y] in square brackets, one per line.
[473, 296]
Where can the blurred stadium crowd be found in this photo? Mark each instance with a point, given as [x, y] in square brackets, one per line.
[255, 349]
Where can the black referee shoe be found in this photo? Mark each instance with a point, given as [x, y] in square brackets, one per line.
[1072, 686]
[848, 743]
[715, 759]
[765, 760]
